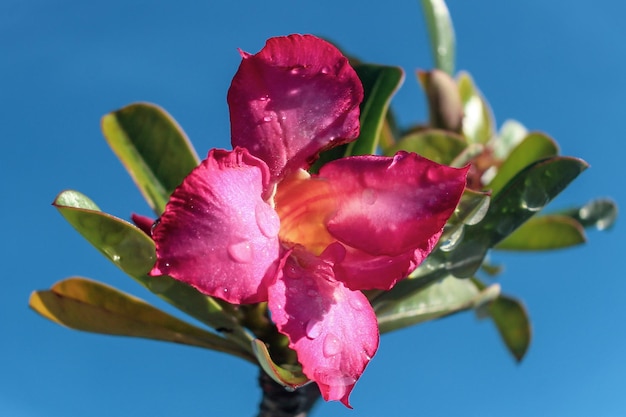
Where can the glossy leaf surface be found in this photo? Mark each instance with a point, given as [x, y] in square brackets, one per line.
[379, 84]
[153, 149]
[544, 233]
[534, 147]
[526, 194]
[440, 299]
[437, 145]
[441, 34]
[87, 305]
[600, 213]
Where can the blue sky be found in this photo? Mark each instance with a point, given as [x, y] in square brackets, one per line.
[67, 63]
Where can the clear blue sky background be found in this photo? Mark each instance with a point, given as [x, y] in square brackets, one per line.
[556, 66]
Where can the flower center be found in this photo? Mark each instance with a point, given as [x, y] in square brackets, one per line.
[303, 205]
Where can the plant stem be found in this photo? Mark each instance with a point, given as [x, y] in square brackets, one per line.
[278, 402]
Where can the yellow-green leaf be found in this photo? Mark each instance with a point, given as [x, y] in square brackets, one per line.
[91, 306]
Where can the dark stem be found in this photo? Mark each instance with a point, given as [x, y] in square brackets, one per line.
[278, 402]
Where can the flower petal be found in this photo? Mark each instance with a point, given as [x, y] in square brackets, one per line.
[332, 328]
[391, 212]
[144, 223]
[296, 97]
[217, 233]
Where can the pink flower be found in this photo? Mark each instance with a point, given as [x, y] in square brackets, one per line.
[251, 225]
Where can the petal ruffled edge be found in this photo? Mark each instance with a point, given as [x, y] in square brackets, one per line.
[295, 98]
[217, 233]
[391, 213]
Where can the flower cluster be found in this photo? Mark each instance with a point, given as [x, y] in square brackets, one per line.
[253, 225]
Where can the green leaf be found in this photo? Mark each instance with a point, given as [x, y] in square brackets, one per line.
[441, 34]
[534, 147]
[478, 125]
[526, 194]
[285, 377]
[380, 84]
[437, 145]
[152, 147]
[448, 296]
[544, 233]
[91, 306]
[511, 319]
[600, 213]
[134, 253]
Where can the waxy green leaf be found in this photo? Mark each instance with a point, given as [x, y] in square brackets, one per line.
[511, 319]
[600, 213]
[152, 147]
[478, 123]
[287, 378]
[534, 147]
[441, 34]
[526, 194]
[437, 145]
[380, 84]
[134, 253]
[91, 306]
[544, 233]
[448, 296]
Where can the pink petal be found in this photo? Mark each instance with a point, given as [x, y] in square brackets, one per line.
[296, 97]
[391, 212]
[332, 328]
[144, 223]
[217, 233]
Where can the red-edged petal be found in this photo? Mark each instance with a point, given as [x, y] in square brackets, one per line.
[296, 97]
[217, 233]
[391, 212]
[332, 328]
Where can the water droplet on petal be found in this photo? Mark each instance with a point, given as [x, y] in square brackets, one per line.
[356, 303]
[264, 98]
[335, 379]
[267, 220]
[325, 70]
[267, 118]
[369, 196]
[296, 70]
[332, 345]
[241, 252]
[313, 329]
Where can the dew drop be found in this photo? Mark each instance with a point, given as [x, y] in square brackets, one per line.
[335, 379]
[356, 303]
[267, 220]
[369, 196]
[115, 258]
[241, 252]
[267, 118]
[534, 198]
[313, 329]
[332, 345]
[453, 240]
[264, 98]
[296, 70]
[325, 70]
